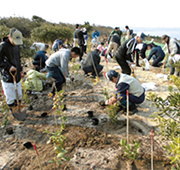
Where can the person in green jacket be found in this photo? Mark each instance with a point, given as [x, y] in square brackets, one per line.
[33, 81]
[117, 31]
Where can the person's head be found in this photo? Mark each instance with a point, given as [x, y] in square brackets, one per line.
[140, 37]
[37, 68]
[112, 76]
[77, 26]
[15, 37]
[46, 46]
[75, 52]
[102, 43]
[126, 27]
[149, 46]
[116, 28]
[165, 38]
[95, 31]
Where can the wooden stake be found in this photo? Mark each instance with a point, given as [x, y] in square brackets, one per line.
[127, 99]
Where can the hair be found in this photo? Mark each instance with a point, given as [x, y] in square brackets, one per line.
[126, 27]
[37, 68]
[102, 43]
[47, 46]
[164, 37]
[152, 45]
[77, 25]
[76, 50]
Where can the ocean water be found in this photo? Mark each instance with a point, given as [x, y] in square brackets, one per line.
[159, 31]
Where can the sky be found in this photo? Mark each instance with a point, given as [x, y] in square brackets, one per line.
[116, 13]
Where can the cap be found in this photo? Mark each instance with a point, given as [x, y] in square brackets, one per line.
[16, 36]
[141, 35]
[111, 73]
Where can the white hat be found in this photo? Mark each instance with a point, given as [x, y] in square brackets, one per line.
[16, 36]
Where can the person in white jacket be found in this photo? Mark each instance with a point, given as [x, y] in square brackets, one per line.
[173, 47]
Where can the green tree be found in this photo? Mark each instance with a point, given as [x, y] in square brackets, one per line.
[49, 32]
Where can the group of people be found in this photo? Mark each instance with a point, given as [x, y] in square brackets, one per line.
[57, 63]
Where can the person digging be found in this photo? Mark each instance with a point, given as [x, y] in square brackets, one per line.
[123, 83]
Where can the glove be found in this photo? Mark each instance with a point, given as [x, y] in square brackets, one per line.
[133, 66]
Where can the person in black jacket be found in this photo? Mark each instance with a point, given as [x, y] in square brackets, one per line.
[125, 52]
[10, 63]
[91, 63]
[80, 36]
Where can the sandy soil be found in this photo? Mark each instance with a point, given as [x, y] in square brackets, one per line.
[89, 146]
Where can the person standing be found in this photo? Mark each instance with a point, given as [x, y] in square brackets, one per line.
[57, 66]
[80, 35]
[95, 37]
[10, 63]
[156, 53]
[173, 47]
[129, 33]
[125, 52]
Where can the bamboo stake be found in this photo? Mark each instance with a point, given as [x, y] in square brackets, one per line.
[152, 149]
[127, 114]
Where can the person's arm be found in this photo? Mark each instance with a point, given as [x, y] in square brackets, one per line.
[3, 64]
[64, 60]
[40, 75]
[173, 48]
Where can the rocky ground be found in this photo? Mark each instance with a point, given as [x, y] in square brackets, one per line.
[90, 147]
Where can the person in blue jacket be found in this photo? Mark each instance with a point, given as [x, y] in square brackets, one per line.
[39, 59]
[156, 53]
[56, 44]
[95, 37]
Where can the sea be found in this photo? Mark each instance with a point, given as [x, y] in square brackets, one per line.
[159, 31]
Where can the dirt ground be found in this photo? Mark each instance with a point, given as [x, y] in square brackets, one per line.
[90, 147]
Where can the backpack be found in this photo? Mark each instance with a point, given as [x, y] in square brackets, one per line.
[131, 33]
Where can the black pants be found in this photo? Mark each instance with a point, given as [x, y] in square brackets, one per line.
[81, 52]
[90, 69]
[124, 65]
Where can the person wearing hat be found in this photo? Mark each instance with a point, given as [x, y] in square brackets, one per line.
[123, 83]
[124, 54]
[10, 62]
[173, 47]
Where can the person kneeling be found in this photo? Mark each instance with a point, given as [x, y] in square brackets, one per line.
[123, 83]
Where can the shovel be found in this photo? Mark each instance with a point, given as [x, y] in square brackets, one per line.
[19, 112]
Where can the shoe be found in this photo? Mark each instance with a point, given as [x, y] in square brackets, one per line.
[138, 65]
[133, 109]
[160, 64]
